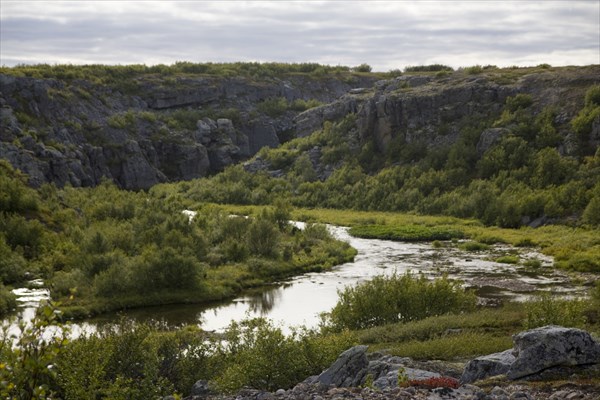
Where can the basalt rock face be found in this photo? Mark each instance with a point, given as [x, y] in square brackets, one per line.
[161, 129]
[172, 128]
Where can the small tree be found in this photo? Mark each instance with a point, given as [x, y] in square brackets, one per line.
[362, 68]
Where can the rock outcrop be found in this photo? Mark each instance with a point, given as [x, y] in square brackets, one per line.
[158, 129]
[551, 346]
[536, 350]
[176, 128]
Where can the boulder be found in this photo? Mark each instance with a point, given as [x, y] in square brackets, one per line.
[550, 346]
[486, 366]
[488, 138]
[201, 389]
[348, 370]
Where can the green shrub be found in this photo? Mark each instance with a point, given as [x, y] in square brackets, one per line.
[398, 299]
[533, 263]
[362, 68]
[258, 354]
[474, 246]
[592, 96]
[475, 69]
[8, 300]
[428, 68]
[508, 259]
[126, 120]
[273, 107]
[407, 233]
[27, 368]
[303, 105]
[521, 100]
[546, 309]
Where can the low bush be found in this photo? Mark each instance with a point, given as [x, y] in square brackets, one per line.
[474, 246]
[405, 298]
[546, 309]
[508, 259]
[7, 300]
[407, 233]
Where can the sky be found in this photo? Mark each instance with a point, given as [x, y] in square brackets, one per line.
[384, 34]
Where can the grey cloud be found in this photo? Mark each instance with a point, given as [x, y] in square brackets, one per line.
[383, 34]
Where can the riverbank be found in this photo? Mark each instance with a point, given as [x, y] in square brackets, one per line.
[575, 248]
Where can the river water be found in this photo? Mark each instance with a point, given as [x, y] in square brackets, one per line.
[300, 300]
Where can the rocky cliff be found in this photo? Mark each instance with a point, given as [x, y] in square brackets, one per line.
[167, 128]
[161, 129]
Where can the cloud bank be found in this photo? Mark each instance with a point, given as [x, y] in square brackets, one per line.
[384, 34]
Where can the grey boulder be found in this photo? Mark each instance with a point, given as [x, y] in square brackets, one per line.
[490, 365]
[550, 346]
[347, 370]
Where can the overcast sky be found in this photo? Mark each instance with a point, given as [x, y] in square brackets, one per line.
[384, 34]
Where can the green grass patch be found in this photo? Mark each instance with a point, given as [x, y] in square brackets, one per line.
[407, 233]
[501, 321]
[474, 246]
[508, 259]
[461, 346]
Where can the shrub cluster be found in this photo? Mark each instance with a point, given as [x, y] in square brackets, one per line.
[405, 298]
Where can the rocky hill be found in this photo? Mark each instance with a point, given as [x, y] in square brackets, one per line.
[153, 128]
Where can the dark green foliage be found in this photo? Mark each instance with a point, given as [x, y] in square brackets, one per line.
[546, 309]
[362, 68]
[407, 233]
[519, 101]
[259, 355]
[273, 107]
[428, 68]
[27, 370]
[7, 300]
[405, 298]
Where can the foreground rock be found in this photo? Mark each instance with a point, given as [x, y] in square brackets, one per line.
[551, 346]
[548, 354]
[536, 350]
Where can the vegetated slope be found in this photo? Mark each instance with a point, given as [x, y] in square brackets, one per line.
[507, 146]
[139, 125]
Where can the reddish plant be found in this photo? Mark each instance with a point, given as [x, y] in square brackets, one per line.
[435, 382]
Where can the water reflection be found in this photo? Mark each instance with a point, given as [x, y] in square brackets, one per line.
[263, 303]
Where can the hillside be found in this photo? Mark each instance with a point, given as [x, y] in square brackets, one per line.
[139, 126]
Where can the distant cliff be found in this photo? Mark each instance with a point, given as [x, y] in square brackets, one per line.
[154, 128]
[76, 131]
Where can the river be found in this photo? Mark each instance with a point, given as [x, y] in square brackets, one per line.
[300, 300]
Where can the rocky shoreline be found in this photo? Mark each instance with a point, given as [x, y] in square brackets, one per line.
[550, 362]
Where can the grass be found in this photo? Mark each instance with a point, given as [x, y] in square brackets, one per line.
[508, 259]
[462, 346]
[406, 233]
[474, 246]
[449, 337]
[464, 336]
